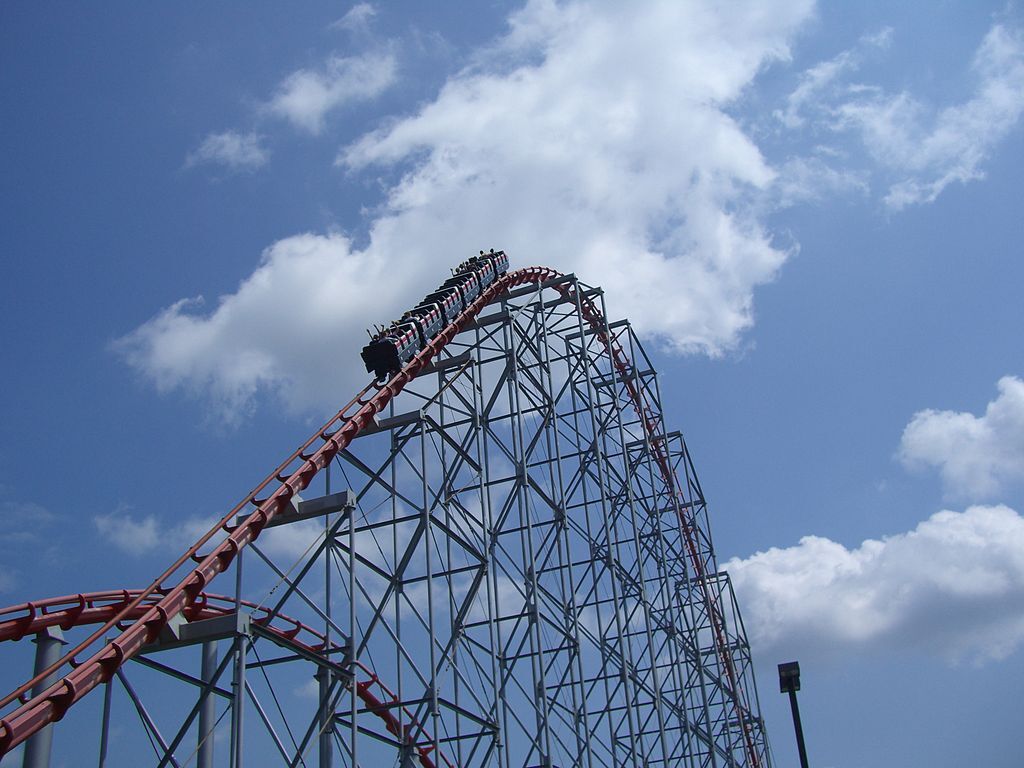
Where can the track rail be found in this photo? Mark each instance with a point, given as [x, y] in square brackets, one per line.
[686, 517]
[69, 611]
[24, 619]
[150, 609]
[335, 435]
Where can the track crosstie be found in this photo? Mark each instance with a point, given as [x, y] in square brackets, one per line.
[129, 621]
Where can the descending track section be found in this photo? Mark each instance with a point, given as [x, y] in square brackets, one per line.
[76, 611]
[520, 572]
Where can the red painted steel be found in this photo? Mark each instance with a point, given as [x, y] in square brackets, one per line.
[18, 621]
[53, 703]
[687, 522]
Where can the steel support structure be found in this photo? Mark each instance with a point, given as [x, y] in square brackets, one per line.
[521, 574]
[48, 644]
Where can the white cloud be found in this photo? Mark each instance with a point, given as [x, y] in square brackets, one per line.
[293, 541]
[306, 96]
[24, 526]
[977, 456]
[357, 19]
[809, 179]
[293, 326]
[592, 138]
[21, 517]
[237, 151]
[26, 536]
[133, 535]
[824, 75]
[953, 586]
[927, 149]
[308, 690]
[915, 148]
[141, 535]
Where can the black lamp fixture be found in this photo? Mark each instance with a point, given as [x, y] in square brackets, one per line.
[789, 682]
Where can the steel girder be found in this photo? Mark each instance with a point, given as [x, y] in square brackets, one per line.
[526, 578]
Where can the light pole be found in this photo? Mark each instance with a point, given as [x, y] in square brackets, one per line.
[789, 682]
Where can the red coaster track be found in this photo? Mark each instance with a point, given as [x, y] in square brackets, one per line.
[144, 613]
[123, 606]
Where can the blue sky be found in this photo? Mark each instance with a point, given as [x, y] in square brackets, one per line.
[812, 213]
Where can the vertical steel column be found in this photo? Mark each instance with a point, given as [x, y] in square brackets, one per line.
[238, 679]
[353, 633]
[659, 553]
[428, 539]
[397, 589]
[482, 426]
[645, 601]
[326, 715]
[526, 542]
[105, 724]
[443, 380]
[37, 748]
[565, 572]
[584, 444]
[616, 543]
[600, 449]
[208, 710]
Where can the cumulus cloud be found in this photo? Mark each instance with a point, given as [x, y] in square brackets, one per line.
[610, 153]
[593, 138]
[291, 327]
[977, 456]
[306, 96]
[953, 586]
[237, 151]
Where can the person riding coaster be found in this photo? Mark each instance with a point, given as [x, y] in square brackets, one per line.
[393, 347]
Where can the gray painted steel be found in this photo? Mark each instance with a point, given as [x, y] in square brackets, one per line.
[48, 645]
[208, 709]
[507, 582]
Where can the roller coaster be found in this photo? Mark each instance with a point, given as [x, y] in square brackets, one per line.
[517, 571]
